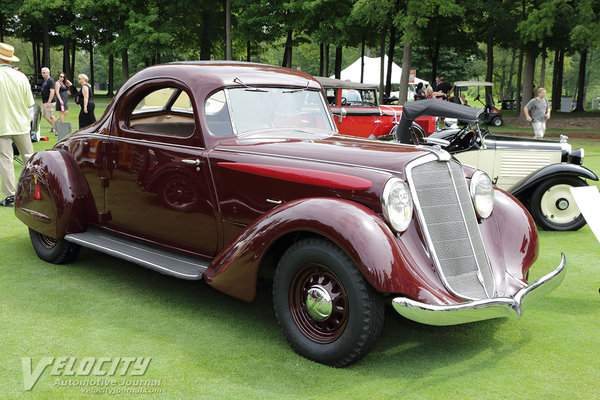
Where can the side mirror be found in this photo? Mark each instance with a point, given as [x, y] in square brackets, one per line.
[343, 114]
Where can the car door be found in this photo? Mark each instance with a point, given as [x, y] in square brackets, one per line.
[352, 115]
[158, 186]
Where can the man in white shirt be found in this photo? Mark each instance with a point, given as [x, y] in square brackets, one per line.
[15, 125]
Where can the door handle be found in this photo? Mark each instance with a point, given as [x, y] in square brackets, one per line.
[195, 162]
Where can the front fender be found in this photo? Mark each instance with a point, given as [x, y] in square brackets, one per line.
[554, 170]
[52, 196]
[356, 229]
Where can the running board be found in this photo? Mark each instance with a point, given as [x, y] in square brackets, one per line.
[164, 261]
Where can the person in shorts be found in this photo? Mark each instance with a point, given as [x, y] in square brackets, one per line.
[48, 98]
[537, 111]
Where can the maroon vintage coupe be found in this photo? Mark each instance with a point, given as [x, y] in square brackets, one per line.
[224, 171]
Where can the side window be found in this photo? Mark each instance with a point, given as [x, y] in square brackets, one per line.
[330, 93]
[217, 116]
[165, 111]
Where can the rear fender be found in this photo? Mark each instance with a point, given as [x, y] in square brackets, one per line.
[528, 183]
[52, 195]
[356, 229]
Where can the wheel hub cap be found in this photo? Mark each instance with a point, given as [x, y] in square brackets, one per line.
[557, 205]
[318, 303]
[562, 204]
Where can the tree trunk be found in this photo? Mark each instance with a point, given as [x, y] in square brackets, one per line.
[248, 51]
[327, 60]
[543, 71]
[111, 75]
[1, 27]
[228, 50]
[338, 62]
[528, 72]
[382, 67]
[204, 37]
[388, 80]
[91, 50]
[36, 56]
[362, 60]
[406, 64]
[46, 48]
[510, 75]
[66, 59]
[581, 82]
[124, 65]
[321, 59]
[73, 51]
[435, 56]
[519, 83]
[287, 52]
[489, 74]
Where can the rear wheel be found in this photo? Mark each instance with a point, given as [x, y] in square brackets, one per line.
[554, 208]
[55, 251]
[497, 121]
[325, 309]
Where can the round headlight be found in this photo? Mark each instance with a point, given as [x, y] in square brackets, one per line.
[397, 204]
[482, 194]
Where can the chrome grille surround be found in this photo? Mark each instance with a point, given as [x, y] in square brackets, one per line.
[443, 206]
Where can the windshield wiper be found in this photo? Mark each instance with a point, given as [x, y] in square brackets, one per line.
[297, 90]
[249, 88]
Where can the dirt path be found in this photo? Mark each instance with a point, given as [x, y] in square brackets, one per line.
[577, 127]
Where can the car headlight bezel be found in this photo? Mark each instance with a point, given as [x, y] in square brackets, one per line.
[397, 204]
[482, 194]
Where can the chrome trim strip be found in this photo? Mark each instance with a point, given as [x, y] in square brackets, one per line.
[454, 314]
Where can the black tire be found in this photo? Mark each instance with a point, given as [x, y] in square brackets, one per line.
[55, 251]
[352, 326]
[497, 121]
[548, 200]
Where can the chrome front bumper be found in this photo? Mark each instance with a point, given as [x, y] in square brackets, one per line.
[454, 314]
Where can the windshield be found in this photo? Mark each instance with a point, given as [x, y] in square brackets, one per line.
[274, 108]
[359, 97]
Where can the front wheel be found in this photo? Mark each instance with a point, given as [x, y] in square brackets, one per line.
[326, 310]
[497, 121]
[55, 251]
[554, 208]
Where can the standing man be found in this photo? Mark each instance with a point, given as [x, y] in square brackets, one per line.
[15, 122]
[48, 98]
[537, 111]
[444, 87]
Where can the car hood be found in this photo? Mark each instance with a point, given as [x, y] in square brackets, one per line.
[326, 147]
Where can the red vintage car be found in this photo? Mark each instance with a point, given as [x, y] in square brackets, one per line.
[224, 171]
[357, 112]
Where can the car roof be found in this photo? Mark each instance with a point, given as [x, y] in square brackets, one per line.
[338, 83]
[216, 74]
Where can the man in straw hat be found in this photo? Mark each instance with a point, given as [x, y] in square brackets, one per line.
[15, 100]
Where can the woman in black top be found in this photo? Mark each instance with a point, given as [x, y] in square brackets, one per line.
[85, 99]
[61, 88]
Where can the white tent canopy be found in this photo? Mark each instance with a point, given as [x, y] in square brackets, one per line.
[372, 70]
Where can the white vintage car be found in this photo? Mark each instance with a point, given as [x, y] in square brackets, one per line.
[539, 173]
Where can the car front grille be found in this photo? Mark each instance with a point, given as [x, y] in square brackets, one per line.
[443, 205]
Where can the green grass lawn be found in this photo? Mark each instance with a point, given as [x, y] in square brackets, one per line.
[206, 345]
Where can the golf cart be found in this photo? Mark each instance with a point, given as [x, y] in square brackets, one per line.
[491, 113]
[539, 173]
